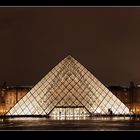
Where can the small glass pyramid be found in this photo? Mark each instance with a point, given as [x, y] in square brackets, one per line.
[68, 89]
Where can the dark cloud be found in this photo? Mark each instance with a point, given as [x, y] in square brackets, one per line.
[105, 40]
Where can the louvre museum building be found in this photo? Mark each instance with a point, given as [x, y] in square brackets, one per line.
[69, 89]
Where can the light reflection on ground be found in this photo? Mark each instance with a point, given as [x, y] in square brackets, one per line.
[79, 123]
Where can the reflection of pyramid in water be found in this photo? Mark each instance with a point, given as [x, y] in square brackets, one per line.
[68, 85]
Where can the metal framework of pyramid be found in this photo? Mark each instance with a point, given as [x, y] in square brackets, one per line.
[68, 86]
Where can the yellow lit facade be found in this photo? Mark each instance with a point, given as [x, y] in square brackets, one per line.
[9, 97]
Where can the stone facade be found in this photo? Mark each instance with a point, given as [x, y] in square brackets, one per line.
[130, 98]
[10, 96]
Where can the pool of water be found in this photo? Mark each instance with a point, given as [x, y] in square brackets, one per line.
[79, 123]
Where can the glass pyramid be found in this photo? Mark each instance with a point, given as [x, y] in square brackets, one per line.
[69, 89]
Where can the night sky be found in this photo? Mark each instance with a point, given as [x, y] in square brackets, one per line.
[105, 40]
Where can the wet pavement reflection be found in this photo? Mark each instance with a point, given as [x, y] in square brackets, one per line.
[77, 123]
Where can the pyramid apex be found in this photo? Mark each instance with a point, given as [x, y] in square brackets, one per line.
[69, 56]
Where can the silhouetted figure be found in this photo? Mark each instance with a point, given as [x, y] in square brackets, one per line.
[110, 112]
[59, 113]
